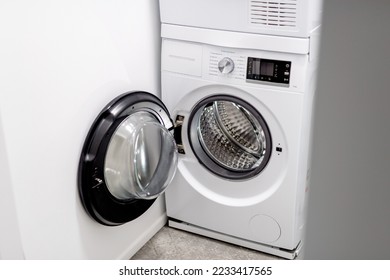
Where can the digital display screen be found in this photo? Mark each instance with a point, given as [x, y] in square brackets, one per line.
[267, 68]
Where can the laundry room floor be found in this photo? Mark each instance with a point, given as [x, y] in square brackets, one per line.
[174, 244]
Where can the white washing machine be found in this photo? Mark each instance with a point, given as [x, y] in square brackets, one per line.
[61, 63]
[245, 115]
[242, 104]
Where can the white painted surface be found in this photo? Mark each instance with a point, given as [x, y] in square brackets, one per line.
[61, 63]
[10, 242]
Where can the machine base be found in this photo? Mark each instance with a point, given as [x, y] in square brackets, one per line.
[287, 254]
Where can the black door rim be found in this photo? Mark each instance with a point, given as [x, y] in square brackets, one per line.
[95, 196]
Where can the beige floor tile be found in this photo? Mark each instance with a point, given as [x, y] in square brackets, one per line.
[173, 244]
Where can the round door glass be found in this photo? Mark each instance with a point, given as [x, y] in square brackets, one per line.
[141, 158]
[232, 136]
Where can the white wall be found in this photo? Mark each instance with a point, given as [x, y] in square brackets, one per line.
[61, 62]
[10, 242]
[349, 207]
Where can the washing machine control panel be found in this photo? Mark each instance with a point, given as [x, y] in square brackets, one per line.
[268, 71]
[254, 68]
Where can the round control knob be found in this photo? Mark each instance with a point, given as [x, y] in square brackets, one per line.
[226, 65]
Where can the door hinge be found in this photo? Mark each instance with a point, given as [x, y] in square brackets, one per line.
[177, 133]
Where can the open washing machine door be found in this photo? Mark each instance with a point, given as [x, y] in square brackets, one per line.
[128, 158]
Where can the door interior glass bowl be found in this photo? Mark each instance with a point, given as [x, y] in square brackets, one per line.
[141, 158]
[231, 136]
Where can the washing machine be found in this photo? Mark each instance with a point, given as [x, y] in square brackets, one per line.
[241, 94]
[62, 63]
[228, 142]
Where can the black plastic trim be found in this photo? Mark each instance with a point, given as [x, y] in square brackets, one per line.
[97, 200]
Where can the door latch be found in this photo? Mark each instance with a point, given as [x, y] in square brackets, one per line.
[177, 133]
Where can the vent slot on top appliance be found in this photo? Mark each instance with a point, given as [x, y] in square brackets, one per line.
[273, 14]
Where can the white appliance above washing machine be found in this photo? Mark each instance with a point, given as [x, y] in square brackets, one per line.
[294, 18]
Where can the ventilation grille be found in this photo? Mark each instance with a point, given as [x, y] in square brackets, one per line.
[273, 14]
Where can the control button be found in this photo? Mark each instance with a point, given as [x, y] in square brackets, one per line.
[287, 65]
[279, 149]
[286, 73]
[226, 65]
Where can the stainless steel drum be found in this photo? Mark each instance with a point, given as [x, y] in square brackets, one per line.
[233, 135]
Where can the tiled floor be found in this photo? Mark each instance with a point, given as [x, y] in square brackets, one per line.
[173, 244]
